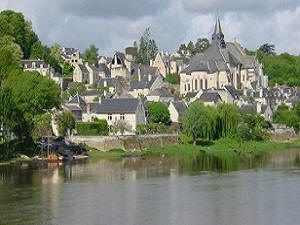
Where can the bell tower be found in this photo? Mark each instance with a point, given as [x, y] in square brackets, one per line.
[218, 36]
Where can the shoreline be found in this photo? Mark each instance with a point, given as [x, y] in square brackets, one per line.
[219, 148]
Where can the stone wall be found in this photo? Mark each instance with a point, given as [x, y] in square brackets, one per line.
[128, 143]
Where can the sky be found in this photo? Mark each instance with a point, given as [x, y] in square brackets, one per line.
[114, 24]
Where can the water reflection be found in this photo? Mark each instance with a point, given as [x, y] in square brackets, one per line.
[203, 189]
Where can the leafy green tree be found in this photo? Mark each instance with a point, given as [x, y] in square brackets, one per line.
[66, 123]
[158, 112]
[8, 114]
[268, 49]
[191, 48]
[201, 45]
[10, 57]
[183, 49]
[68, 69]
[55, 52]
[33, 95]
[173, 78]
[228, 118]
[91, 55]
[79, 88]
[199, 122]
[15, 25]
[147, 48]
[42, 126]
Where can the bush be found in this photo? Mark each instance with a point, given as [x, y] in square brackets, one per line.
[185, 140]
[173, 78]
[97, 128]
[159, 113]
[152, 128]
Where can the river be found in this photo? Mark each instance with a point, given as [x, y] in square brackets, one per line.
[155, 191]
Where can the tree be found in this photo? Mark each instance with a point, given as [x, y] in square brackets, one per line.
[55, 52]
[91, 55]
[201, 45]
[183, 49]
[147, 48]
[68, 69]
[120, 126]
[42, 126]
[10, 57]
[33, 95]
[199, 122]
[14, 25]
[228, 118]
[66, 123]
[191, 48]
[79, 88]
[268, 49]
[158, 112]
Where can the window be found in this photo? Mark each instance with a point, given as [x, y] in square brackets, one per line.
[72, 60]
[122, 116]
[109, 116]
[185, 87]
[76, 60]
[189, 87]
[201, 84]
[196, 84]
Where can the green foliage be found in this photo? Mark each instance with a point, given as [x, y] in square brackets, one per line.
[268, 49]
[42, 126]
[32, 95]
[288, 116]
[159, 113]
[200, 46]
[10, 57]
[131, 51]
[66, 123]
[147, 48]
[14, 25]
[96, 128]
[199, 121]
[173, 78]
[68, 69]
[96, 99]
[91, 55]
[120, 126]
[152, 128]
[79, 88]
[185, 140]
[228, 118]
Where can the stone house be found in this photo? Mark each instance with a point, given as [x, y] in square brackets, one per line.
[148, 79]
[120, 65]
[160, 95]
[223, 63]
[130, 110]
[72, 56]
[37, 66]
[76, 106]
[90, 94]
[210, 98]
[90, 74]
[177, 110]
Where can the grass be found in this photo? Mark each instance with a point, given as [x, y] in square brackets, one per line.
[221, 148]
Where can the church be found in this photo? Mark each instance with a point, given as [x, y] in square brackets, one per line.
[223, 63]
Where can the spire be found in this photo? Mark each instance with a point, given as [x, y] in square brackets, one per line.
[218, 36]
[218, 29]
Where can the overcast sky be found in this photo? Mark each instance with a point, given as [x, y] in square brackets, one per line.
[113, 24]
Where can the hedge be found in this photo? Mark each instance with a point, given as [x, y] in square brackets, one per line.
[97, 128]
[152, 128]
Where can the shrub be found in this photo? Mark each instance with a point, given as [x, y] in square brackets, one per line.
[96, 128]
[159, 113]
[152, 128]
[185, 140]
[173, 78]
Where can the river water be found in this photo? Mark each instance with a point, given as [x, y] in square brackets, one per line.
[177, 191]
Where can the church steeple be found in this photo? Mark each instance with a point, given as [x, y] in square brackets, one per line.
[218, 36]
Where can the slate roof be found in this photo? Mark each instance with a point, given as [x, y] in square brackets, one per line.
[77, 99]
[38, 63]
[209, 97]
[117, 105]
[180, 107]
[161, 92]
[233, 91]
[69, 51]
[191, 95]
[103, 68]
[92, 92]
[84, 69]
[249, 108]
[110, 82]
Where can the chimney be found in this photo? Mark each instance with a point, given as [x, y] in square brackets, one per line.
[149, 77]
[105, 83]
[104, 93]
[258, 107]
[261, 93]
[151, 62]
[100, 99]
[139, 74]
[88, 108]
[245, 92]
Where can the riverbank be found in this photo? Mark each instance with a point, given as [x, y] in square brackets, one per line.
[222, 147]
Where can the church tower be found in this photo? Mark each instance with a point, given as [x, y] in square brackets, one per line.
[218, 36]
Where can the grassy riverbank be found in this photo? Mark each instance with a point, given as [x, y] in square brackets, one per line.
[220, 147]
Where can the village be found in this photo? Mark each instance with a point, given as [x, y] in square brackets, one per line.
[119, 89]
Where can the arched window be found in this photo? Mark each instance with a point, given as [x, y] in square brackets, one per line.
[196, 84]
[201, 84]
